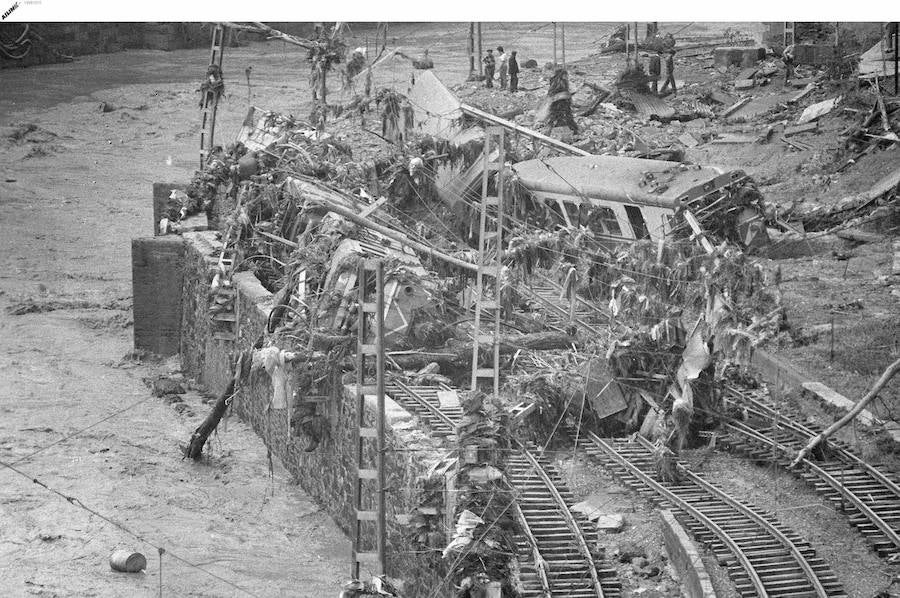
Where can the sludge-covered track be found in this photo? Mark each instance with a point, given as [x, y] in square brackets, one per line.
[556, 557]
[869, 497]
[762, 557]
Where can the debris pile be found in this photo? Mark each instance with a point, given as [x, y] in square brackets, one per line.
[483, 548]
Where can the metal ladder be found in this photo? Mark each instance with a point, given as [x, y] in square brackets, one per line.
[489, 259]
[368, 473]
[223, 308]
[210, 102]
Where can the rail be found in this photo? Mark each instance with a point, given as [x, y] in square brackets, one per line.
[685, 506]
[577, 533]
[539, 562]
[857, 502]
[756, 517]
[435, 412]
[807, 433]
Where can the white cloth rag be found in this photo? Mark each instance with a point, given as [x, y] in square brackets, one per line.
[272, 360]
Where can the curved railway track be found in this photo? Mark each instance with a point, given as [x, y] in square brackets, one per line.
[555, 557]
[559, 559]
[869, 497]
[762, 557]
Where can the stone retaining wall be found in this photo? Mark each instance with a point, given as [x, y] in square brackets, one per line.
[328, 472]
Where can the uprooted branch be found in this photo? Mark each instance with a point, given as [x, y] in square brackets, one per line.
[851, 415]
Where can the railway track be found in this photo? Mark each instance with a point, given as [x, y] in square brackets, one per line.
[549, 298]
[869, 497]
[762, 556]
[556, 559]
[424, 402]
[555, 556]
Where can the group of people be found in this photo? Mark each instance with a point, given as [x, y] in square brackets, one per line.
[654, 71]
[504, 64]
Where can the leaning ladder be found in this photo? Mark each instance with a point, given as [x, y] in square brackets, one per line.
[489, 261]
[371, 314]
[223, 309]
[210, 103]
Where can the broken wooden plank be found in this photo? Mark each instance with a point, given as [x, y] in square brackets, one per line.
[729, 138]
[807, 128]
[698, 232]
[794, 145]
[734, 107]
[806, 91]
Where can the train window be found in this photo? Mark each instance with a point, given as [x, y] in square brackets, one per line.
[637, 222]
[602, 221]
[574, 213]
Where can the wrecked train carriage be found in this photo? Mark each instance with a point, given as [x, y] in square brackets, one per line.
[626, 199]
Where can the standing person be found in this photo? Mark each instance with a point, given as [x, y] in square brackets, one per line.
[787, 57]
[513, 73]
[560, 112]
[489, 64]
[654, 70]
[670, 74]
[504, 64]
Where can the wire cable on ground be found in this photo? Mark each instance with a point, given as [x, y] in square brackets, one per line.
[160, 550]
[82, 430]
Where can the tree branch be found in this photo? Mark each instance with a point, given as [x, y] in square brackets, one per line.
[885, 377]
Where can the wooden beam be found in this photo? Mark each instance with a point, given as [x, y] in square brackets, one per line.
[555, 143]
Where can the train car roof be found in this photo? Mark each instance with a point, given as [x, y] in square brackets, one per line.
[614, 178]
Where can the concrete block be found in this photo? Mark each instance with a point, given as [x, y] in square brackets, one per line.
[685, 557]
[738, 56]
[781, 376]
[832, 397]
[157, 274]
[744, 83]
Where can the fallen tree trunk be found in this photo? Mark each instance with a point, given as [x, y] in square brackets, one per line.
[458, 353]
[194, 449]
[885, 377]
[201, 434]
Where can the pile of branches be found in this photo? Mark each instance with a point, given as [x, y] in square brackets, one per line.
[557, 385]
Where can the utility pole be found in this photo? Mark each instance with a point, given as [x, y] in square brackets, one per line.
[562, 39]
[896, 29]
[627, 49]
[471, 48]
[480, 52]
[635, 44]
[554, 45]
